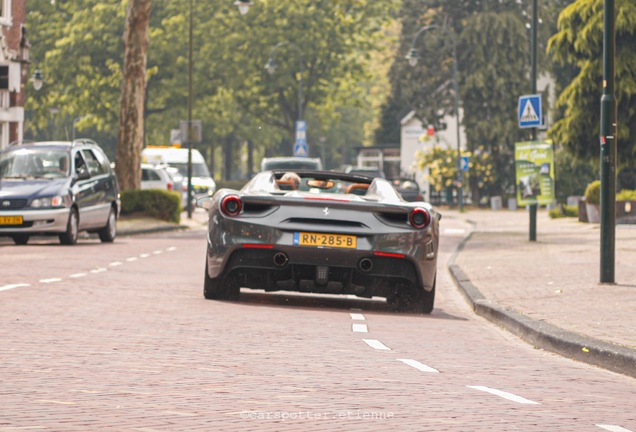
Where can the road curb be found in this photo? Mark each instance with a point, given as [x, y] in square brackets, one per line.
[136, 231]
[540, 334]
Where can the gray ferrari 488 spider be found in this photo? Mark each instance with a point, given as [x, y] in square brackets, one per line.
[322, 232]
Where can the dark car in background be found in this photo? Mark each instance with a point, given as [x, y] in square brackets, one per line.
[409, 189]
[57, 188]
[369, 171]
[333, 233]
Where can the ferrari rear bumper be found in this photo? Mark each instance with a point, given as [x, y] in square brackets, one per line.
[339, 272]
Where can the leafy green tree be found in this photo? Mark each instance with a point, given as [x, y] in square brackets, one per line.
[493, 77]
[493, 47]
[330, 41]
[579, 44]
[81, 48]
[441, 162]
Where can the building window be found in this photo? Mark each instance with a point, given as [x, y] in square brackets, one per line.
[4, 77]
[5, 12]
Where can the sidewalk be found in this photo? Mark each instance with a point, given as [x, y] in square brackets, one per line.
[127, 225]
[547, 291]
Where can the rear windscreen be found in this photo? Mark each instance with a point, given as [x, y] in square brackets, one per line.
[285, 165]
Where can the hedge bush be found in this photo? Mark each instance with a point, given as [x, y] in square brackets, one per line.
[155, 203]
[626, 195]
[593, 192]
[564, 211]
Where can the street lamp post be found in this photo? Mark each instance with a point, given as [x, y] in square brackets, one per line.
[75, 121]
[608, 146]
[412, 57]
[37, 79]
[189, 137]
[271, 67]
[243, 6]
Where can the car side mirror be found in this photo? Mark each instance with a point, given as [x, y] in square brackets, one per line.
[204, 202]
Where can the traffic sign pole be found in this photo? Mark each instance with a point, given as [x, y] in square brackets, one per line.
[300, 147]
[533, 77]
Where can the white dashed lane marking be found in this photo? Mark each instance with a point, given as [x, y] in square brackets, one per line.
[613, 428]
[12, 286]
[419, 366]
[505, 395]
[357, 316]
[96, 270]
[376, 344]
[50, 280]
[454, 231]
[359, 328]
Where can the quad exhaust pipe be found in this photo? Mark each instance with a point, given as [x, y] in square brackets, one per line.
[365, 265]
[280, 259]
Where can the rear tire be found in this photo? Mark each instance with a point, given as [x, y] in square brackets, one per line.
[427, 299]
[72, 229]
[20, 239]
[414, 299]
[109, 232]
[220, 288]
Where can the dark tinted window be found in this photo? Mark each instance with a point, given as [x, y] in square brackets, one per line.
[4, 77]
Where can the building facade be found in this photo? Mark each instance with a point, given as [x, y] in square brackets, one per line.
[411, 132]
[14, 69]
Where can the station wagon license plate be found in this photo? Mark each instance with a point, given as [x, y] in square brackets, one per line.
[10, 220]
[325, 240]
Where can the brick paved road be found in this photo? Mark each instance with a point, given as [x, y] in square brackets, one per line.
[118, 337]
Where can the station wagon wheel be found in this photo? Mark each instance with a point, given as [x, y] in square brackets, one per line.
[109, 232]
[20, 239]
[220, 288]
[72, 229]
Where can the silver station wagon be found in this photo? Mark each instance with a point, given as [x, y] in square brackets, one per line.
[57, 188]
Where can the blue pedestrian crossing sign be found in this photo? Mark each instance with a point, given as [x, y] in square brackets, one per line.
[300, 148]
[464, 163]
[529, 111]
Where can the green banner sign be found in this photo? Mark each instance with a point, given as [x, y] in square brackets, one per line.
[534, 162]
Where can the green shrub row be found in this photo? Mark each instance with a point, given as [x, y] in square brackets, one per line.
[593, 193]
[626, 195]
[155, 203]
[564, 211]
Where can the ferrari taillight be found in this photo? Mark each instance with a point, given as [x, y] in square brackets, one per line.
[419, 218]
[231, 205]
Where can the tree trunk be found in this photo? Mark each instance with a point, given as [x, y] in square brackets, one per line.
[130, 139]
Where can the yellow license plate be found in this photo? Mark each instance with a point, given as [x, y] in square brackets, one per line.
[10, 220]
[325, 240]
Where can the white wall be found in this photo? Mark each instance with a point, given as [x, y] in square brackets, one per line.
[412, 129]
